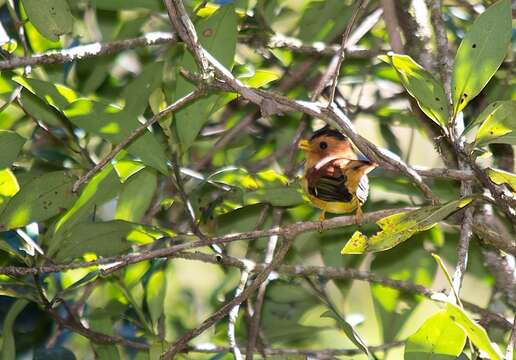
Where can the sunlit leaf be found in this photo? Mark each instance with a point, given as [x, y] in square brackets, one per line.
[421, 85]
[217, 33]
[497, 124]
[261, 78]
[10, 145]
[400, 227]
[136, 195]
[480, 53]
[476, 333]
[439, 338]
[276, 196]
[52, 18]
[45, 196]
[8, 187]
[38, 108]
[500, 177]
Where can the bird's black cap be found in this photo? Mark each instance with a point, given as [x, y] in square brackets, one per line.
[327, 131]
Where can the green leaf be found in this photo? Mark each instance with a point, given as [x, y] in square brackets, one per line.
[8, 187]
[261, 78]
[127, 168]
[56, 353]
[400, 227]
[104, 238]
[8, 346]
[101, 188]
[155, 296]
[43, 197]
[57, 95]
[217, 34]
[350, 332]
[500, 177]
[421, 85]
[52, 18]
[39, 109]
[10, 145]
[498, 124]
[136, 196]
[439, 338]
[476, 333]
[319, 22]
[481, 53]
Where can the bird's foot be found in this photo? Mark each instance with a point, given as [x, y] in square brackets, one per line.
[322, 217]
[358, 216]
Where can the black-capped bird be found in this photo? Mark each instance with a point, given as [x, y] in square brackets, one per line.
[335, 180]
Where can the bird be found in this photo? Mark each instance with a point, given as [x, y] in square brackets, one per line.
[335, 179]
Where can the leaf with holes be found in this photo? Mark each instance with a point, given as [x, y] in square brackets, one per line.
[52, 18]
[43, 197]
[400, 227]
[421, 85]
[481, 53]
[439, 338]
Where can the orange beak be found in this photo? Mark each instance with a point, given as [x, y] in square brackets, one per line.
[304, 145]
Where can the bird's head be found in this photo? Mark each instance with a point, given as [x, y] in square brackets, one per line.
[326, 143]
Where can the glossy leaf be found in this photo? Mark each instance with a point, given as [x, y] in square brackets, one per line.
[500, 177]
[43, 197]
[480, 53]
[8, 350]
[10, 145]
[439, 338]
[217, 34]
[421, 85]
[476, 333]
[498, 124]
[400, 227]
[57, 95]
[136, 195]
[52, 18]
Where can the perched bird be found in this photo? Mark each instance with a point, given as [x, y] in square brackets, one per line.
[335, 180]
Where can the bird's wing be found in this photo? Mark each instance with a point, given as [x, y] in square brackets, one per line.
[357, 181]
[328, 183]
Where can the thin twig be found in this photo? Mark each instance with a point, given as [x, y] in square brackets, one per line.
[182, 342]
[233, 314]
[88, 51]
[343, 47]
[136, 133]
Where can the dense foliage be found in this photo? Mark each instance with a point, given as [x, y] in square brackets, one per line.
[151, 201]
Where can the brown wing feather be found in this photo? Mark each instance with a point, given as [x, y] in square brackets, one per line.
[328, 182]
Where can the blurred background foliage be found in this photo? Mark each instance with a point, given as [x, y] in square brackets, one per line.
[237, 168]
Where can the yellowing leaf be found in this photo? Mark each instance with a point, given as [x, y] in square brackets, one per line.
[421, 85]
[502, 177]
[400, 227]
[261, 78]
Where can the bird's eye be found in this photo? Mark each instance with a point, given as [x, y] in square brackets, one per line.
[323, 145]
